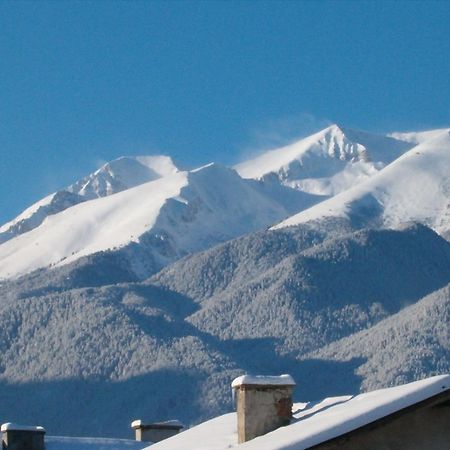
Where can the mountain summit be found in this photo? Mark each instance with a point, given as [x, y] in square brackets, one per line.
[415, 187]
[326, 163]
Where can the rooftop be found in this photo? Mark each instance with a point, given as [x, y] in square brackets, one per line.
[313, 423]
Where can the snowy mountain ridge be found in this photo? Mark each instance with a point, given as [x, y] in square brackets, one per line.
[147, 202]
[327, 162]
[415, 187]
[116, 176]
[123, 173]
[171, 216]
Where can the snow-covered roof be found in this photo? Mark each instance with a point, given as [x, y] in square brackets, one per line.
[167, 423]
[16, 427]
[73, 443]
[313, 423]
[263, 380]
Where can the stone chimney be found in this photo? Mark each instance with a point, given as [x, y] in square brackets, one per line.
[264, 403]
[21, 437]
[155, 432]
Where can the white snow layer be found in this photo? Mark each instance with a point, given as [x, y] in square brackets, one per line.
[268, 380]
[73, 443]
[27, 213]
[415, 187]
[194, 209]
[417, 137]
[313, 424]
[123, 173]
[17, 427]
[89, 227]
[116, 176]
[327, 162]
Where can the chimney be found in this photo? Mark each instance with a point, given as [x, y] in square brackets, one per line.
[22, 437]
[264, 403]
[155, 432]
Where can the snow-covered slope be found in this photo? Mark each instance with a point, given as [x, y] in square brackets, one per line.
[115, 176]
[123, 173]
[171, 216]
[33, 216]
[417, 137]
[415, 187]
[327, 162]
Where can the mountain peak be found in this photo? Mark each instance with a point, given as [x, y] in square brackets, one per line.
[327, 162]
[123, 173]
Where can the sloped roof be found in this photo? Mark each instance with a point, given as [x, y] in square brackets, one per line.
[314, 423]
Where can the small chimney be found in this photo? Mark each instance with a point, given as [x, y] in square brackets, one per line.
[264, 403]
[22, 437]
[155, 432]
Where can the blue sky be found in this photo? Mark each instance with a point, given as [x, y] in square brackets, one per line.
[85, 82]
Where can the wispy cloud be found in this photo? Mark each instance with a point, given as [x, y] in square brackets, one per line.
[281, 131]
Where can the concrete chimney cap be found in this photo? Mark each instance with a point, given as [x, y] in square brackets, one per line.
[167, 424]
[16, 427]
[263, 380]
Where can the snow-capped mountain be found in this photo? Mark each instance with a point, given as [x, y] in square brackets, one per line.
[326, 163]
[115, 176]
[340, 294]
[147, 203]
[171, 216]
[123, 173]
[415, 187]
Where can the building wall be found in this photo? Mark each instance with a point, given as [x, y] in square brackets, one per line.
[425, 426]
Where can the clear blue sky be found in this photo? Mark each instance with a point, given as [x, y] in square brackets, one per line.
[85, 82]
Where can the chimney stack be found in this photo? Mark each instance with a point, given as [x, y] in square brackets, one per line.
[264, 403]
[155, 432]
[22, 437]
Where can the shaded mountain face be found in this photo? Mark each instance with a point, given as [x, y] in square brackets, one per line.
[410, 345]
[313, 290]
[169, 347]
